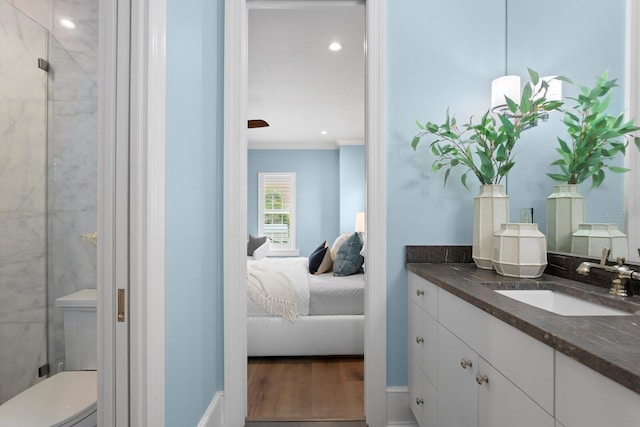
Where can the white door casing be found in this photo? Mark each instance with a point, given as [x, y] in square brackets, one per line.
[235, 209]
[131, 170]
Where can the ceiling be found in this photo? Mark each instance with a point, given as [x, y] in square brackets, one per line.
[298, 85]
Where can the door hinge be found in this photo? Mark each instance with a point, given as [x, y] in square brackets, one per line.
[43, 64]
[121, 304]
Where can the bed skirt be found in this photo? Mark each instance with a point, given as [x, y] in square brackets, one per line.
[307, 336]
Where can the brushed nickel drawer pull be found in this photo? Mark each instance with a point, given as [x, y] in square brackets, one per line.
[419, 292]
[465, 363]
[419, 401]
[419, 340]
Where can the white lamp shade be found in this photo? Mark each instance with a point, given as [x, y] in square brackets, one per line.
[359, 222]
[554, 92]
[504, 86]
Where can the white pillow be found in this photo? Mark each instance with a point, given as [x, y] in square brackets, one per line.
[262, 250]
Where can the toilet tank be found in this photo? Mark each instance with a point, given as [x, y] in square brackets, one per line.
[80, 330]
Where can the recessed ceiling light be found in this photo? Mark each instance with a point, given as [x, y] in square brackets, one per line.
[67, 23]
[335, 46]
[323, 132]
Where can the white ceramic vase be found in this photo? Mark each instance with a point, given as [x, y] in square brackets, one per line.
[565, 211]
[519, 250]
[590, 239]
[490, 210]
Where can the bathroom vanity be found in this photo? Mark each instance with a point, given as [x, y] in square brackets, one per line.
[478, 357]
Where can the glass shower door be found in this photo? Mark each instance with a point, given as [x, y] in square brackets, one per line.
[23, 201]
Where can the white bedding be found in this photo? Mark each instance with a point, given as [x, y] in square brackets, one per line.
[322, 294]
[333, 295]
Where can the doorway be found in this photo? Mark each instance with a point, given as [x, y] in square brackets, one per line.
[310, 92]
[236, 36]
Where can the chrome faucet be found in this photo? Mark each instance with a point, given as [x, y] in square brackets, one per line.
[623, 273]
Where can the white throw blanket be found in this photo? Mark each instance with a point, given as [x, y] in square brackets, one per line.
[274, 284]
[272, 291]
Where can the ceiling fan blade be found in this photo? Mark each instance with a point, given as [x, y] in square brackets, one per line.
[257, 123]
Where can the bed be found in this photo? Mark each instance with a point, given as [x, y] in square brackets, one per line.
[329, 318]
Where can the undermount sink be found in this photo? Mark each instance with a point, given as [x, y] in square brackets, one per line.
[560, 303]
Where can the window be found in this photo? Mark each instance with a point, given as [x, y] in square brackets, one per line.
[276, 211]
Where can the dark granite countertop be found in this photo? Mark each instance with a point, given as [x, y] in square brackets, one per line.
[608, 344]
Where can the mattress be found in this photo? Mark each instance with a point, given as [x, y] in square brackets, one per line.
[331, 295]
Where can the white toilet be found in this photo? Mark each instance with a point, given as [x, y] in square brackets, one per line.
[68, 398]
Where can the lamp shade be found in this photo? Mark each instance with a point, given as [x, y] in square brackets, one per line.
[504, 86]
[359, 222]
[554, 92]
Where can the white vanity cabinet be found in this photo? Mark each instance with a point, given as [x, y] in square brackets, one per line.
[487, 373]
[471, 392]
[586, 398]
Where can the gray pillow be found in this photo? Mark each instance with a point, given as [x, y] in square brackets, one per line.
[254, 243]
[348, 260]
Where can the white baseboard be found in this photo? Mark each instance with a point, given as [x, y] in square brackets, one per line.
[398, 412]
[213, 416]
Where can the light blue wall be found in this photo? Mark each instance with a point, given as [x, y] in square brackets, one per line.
[194, 308]
[441, 54]
[580, 47]
[317, 192]
[352, 186]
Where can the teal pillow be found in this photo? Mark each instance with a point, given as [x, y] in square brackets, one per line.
[348, 260]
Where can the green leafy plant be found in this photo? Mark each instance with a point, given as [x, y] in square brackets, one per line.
[596, 137]
[485, 149]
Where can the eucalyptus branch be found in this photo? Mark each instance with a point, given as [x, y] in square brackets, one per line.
[596, 137]
[485, 149]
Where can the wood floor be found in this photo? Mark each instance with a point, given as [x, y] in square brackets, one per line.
[306, 389]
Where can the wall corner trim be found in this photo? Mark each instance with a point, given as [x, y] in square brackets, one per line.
[213, 415]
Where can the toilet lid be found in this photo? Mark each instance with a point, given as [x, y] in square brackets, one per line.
[56, 401]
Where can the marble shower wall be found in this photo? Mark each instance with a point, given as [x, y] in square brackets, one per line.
[23, 150]
[72, 159]
[48, 179]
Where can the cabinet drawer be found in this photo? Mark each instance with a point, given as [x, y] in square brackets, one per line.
[527, 362]
[423, 340]
[586, 398]
[423, 397]
[424, 293]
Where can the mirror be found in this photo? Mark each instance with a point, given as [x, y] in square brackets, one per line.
[527, 186]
